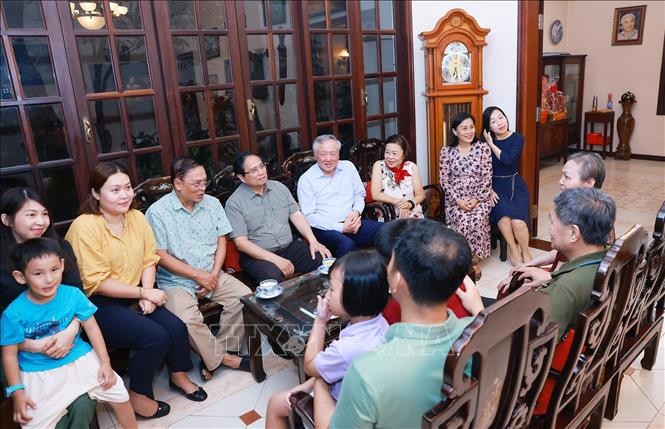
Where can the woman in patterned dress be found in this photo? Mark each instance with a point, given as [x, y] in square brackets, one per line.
[466, 176]
[397, 181]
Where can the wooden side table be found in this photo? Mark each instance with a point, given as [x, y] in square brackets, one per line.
[592, 138]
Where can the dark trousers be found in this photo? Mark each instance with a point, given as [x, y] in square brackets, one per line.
[297, 252]
[340, 244]
[154, 337]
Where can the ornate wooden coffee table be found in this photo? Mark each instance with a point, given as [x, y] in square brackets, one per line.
[286, 321]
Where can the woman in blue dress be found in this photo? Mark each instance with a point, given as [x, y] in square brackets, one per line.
[510, 194]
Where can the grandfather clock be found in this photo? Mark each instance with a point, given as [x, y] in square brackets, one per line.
[454, 78]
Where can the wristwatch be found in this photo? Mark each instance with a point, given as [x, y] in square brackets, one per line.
[9, 390]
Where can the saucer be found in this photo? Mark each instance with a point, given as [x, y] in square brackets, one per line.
[274, 294]
[323, 270]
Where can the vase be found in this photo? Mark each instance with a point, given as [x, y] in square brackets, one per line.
[625, 126]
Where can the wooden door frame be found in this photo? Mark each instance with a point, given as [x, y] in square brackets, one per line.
[529, 68]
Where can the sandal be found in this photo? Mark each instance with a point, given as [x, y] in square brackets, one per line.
[203, 370]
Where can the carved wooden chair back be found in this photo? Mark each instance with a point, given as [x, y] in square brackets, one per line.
[364, 154]
[512, 344]
[223, 184]
[149, 191]
[433, 205]
[655, 281]
[580, 392]
[293, 167]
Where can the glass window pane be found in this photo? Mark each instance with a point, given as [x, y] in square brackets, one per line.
[213, 15]
[226, 152]
[22, 13]
[320, 59]
[288, 105]
[35, 69]
[373, 100]
[142, 122]
[48, 130]
[343, 107]
[280, 12]
[338, 14]
[389, 95]
[218, 59]
[386, 14]
[267, 149]
[88, 15]
[291, 143]
[371, 54]
[149, 165]
[23, 180]
[317, 13]
[284, 56]
[255, 14]
[60, 193]
[203, 156]
[6, 88]
[224, 113]
[133, 62]
[387, 53]
[341, 54]
[325, 130]
[195, 115]
[265, 107]
[188, 60]
[374, 129]
[368, 14]
[345, 136]
[96, 66]
[12, 145]
[259, 67]
[107, 124]
[181, 15]
[126, 14]
[390, 126]
[323, 100]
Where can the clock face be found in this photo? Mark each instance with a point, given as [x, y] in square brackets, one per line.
[456, 63]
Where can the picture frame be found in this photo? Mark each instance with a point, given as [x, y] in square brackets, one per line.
[628, 27]
[212, 47]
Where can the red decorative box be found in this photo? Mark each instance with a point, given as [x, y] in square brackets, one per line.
[594, 138]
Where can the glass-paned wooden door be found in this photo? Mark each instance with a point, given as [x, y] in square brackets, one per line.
[379, 53]
[38, 125]
[330, 70]
[114, 63]
[271, 54]
[198, 40]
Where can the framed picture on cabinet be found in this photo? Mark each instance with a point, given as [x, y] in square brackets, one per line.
[628, 25]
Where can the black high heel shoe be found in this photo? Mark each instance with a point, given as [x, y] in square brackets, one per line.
[199, 395]
[162, 409]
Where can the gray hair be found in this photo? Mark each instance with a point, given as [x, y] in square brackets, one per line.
[592, 166]
[324, 138]
[592, 210]
[627, 15]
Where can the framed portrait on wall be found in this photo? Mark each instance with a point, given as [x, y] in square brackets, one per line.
[628, 25]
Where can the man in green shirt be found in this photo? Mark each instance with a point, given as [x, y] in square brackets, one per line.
[394, 385]
[580, 224]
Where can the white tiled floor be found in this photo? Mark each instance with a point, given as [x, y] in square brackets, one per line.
[234, 393]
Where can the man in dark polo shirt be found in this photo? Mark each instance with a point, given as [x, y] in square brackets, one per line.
[259, 212]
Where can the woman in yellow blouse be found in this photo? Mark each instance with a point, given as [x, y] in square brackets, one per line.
[116, 250]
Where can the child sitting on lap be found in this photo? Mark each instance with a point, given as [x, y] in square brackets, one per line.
[358, 291]
[42, 387]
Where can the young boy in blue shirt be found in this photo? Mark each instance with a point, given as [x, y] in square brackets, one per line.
[42, 387]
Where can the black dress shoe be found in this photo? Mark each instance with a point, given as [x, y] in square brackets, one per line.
[199, 395]
[162, 409]
[244, 364]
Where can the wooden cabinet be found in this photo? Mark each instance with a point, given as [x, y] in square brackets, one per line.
[553, 139]
[568, 70]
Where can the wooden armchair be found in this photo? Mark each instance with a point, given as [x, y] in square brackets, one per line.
[512, 344]
[579, 392]
[223, 184]
[434, 203]
[149, 191]
[364, 154]
[293, 167]
[639, 315]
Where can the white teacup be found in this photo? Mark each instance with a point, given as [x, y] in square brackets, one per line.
[267, 287]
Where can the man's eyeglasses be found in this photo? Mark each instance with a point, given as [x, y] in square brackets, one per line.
[201, 183]
[255, 171]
